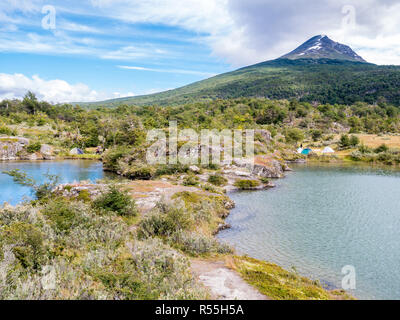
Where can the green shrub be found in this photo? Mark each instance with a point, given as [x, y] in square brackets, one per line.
[316, 134]
[191, 180]
[344, 141]
[164, 221]
[264, 180]
[34, 147]
[354, 141]
[364, 149]
[198, 244]
[165, 271]
[84, 195]
[63, 215]
[7, 131]
[171, 169]
[382, 148]
[139, 172]
[217, 180]
[113, 155]
[116, 201]
[209, 188]
[125, 284]
[247, 184]
[27, 244]
[294, 135]
[68, 187]
[357, 156]
[211, 166]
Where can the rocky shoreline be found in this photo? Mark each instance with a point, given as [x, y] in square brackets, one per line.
[17, 148]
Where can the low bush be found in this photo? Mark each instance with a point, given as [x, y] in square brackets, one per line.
[33, 147]
[247, 184]
[164, 220]
[381, 148]
[347, 142]
[117, 201]
[7, 131]
[139, 172]
[84, 195]
[113, 155]
[191, 180]
[27, 244]
[171, 169]
[210, 188]
[354, 141]
[211, 166]
[217, 180]
[63, 215]
[264, 180]
[165, 271]
[198, 244]
[364, 149]
[357, 155]
[92, 257]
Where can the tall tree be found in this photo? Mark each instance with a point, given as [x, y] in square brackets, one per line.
[31, 102]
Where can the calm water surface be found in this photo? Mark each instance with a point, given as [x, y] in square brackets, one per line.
[68, 170]
[321, 218]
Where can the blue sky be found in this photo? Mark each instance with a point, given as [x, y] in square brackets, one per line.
[100, 49]
[110, 55]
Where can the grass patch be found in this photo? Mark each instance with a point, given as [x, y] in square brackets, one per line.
[84, 156]
[247, 184]
[279, 284]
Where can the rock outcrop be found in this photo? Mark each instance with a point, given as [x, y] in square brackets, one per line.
[10, 147]
[262, 167]
[265, 134]
[15, 148]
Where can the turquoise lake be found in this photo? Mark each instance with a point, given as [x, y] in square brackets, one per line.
[68, 171]
[321, 218]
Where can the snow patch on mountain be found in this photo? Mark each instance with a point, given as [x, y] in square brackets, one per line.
[321, 47]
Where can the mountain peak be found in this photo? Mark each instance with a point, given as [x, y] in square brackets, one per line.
[320, 47]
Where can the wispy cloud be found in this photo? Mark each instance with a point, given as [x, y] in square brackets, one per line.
[180, 71]
[76, 27]
[134, 52]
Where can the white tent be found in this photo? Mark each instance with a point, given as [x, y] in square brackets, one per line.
[76, 151]
[299, 150]
[328, 150]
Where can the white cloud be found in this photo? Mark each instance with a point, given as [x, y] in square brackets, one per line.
[15, 86]
[76, 27]
[245, 32]
[209, 16]
[268, 29]
[197, 73]
[242, 32]
[133, 52]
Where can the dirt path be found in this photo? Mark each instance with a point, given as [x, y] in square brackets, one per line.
[148, 192]
[223, 283]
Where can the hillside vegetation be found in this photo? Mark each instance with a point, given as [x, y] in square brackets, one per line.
[125, 127]
[307, 80]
